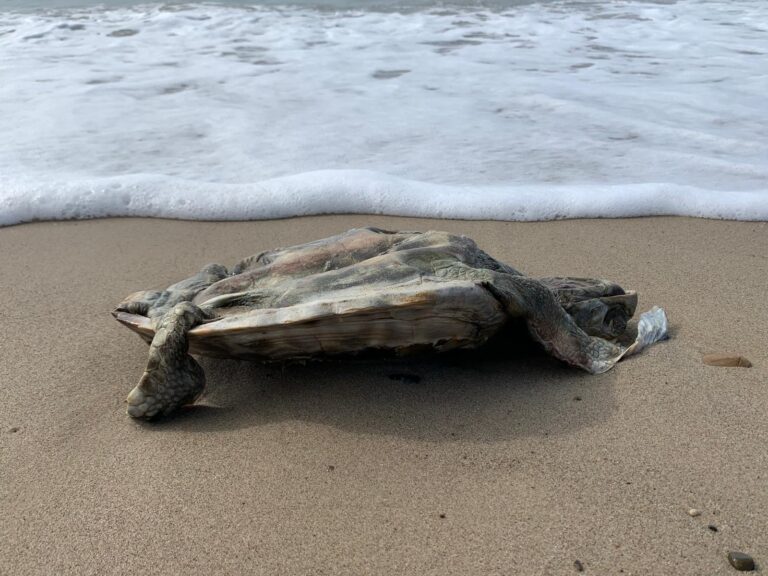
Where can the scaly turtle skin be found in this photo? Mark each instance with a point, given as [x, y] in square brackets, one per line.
[367, 289]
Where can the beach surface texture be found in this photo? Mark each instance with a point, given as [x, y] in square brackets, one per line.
[504, 462]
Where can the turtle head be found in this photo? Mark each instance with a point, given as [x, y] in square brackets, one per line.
[607, 316]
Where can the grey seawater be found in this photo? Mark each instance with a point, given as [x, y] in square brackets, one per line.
[372, 5]
[31, 5]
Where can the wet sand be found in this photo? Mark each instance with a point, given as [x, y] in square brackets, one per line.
[498, 463]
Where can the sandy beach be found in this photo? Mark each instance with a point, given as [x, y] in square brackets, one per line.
[488, 464]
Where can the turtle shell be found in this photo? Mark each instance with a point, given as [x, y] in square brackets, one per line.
[443, 316]
[363, 290]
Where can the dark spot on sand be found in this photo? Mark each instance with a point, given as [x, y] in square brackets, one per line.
[123, 32]
[331, 468]
[405, 377]
[712, 528]
[578, 565]
[442, 515]
[577, 398]
[386, 74]
[13, 429]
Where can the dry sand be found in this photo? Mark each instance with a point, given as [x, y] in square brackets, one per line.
[505, 464]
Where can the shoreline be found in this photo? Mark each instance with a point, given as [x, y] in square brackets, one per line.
[488, 465]
[370, 216]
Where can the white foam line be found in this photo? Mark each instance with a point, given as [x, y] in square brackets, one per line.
[362, 192]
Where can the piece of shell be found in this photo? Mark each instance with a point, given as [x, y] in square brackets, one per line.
[731, 360]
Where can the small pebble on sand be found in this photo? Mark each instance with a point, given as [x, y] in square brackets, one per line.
[728, 360]
[712, 527]
[693, 512]
[740, 561]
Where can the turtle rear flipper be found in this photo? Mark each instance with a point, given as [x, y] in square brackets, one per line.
[139, 302]
[156, 303]
[172, 378]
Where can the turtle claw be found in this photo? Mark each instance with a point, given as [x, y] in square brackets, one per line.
[161, 392]
[141, 405]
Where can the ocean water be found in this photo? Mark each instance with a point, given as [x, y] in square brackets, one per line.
[504, 110]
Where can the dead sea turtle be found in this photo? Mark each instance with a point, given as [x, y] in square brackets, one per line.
[362, 290]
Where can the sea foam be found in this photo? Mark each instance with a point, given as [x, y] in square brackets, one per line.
[541, 111]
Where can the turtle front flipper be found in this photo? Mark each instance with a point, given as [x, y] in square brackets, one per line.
[562, 336]
[172, 378]
[558, 331]
[651, 328]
